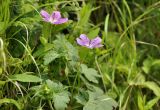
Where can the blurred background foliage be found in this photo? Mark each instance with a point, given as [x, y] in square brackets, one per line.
[38, 60]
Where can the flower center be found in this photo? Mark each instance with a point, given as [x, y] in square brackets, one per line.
[52, 20]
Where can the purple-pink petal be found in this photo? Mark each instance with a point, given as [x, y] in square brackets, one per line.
[45, 15]
[60, 21]
[80, 42]
[95, 42]
[84, 38]
[98, 45]
[56, 15]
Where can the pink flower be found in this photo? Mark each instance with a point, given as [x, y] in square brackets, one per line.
[54, 18]
[83, 40]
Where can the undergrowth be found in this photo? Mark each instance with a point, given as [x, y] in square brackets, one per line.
[43, 68]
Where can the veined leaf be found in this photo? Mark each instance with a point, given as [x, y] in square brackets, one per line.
[82, 97]
[50, 56]
[99, 101]
[25, 78]
[60, 100]
[60, 95]
[90, 73]
[65, 48]
[53, 91]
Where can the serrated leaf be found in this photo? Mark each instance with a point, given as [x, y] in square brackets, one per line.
[90, 73]
[99, 101]
[60, 95]
[60, 100]
[50, 56]
[25, 78]
[72, 52]
[65, 48]
[56, 87]
[82, 97]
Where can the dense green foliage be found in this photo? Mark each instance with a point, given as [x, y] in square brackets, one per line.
[43, 68]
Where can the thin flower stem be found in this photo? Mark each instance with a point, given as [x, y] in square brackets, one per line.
[78, 74]
[50, 105]
[100, 73]
[50, 33]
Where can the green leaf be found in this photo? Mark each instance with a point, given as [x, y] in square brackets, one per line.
[156, 62]
[90, 73]
[60, 95]
[50, 56]
[65, 48]
[43, 40]
[42, 49]
[153, 86]
[2, 83]
[60, 27]
[84, 15]
[147, 65]
[112, 39]
[1, 70]
[56, 87]
[2, 26]
[99, 101]
[14, 61]
[93, 33]
[60, 100]
[140, 101]
[140, 81]
[82, 97]
[106, 24]
[151, 103]
[25, 78]
[6, 100]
